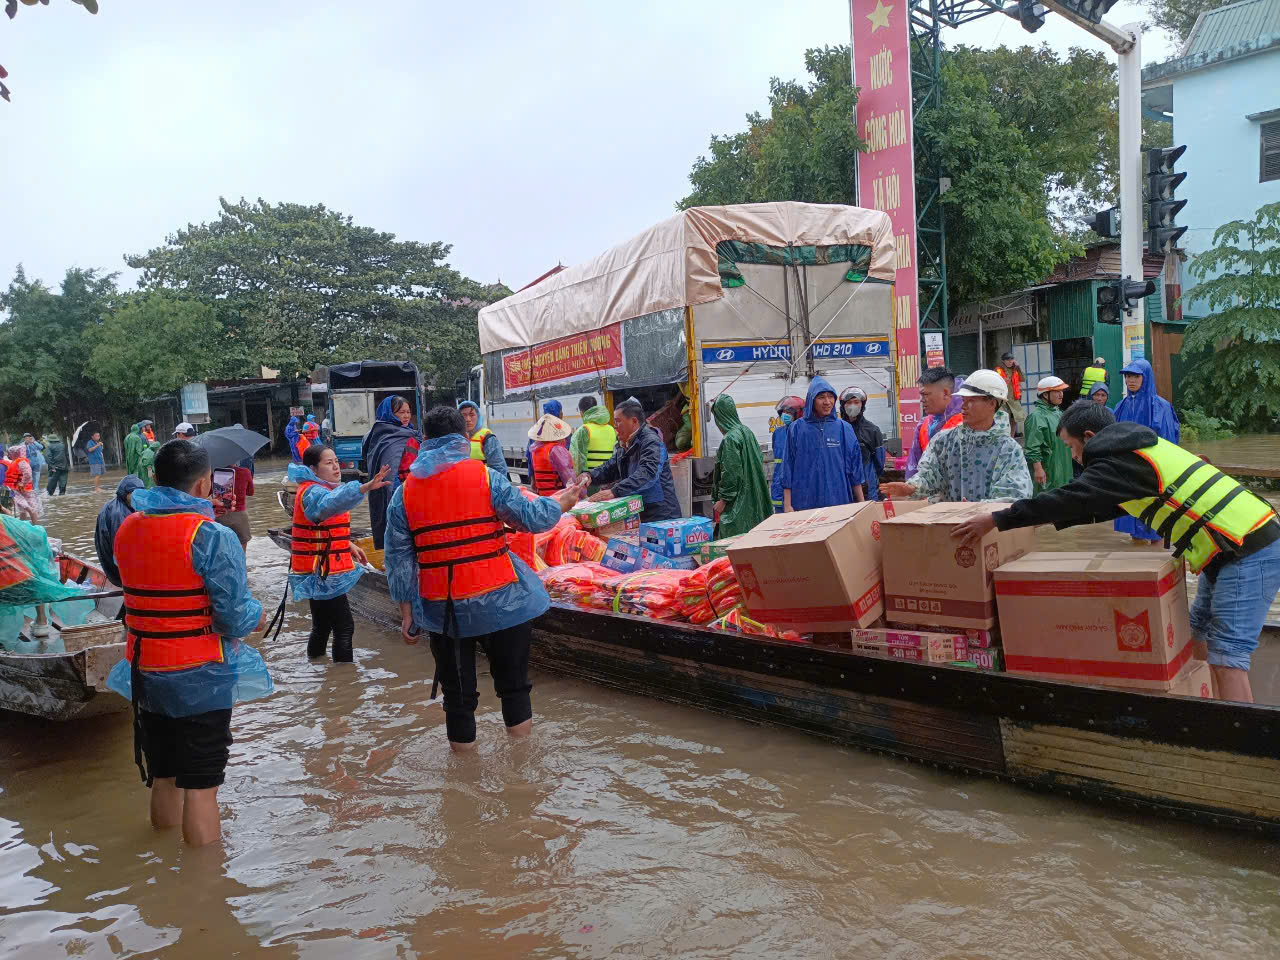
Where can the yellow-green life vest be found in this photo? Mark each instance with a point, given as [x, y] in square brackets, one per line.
[477, 442]
[601, 441]
[1092, 377]
[1195, 498]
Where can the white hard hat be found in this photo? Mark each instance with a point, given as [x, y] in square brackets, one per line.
[1101, 361]
[183, 429]
[1051, 383]
[984, 383]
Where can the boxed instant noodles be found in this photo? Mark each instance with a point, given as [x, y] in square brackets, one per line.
[592, 515]
[622, 554]
[940, 650]
[816, 570]
[933, 580]
[981, 658]
[1114, 619]
[620, 528]
[677, 538]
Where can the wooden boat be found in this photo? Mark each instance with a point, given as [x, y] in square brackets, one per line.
[63, 675]
[1175, 757]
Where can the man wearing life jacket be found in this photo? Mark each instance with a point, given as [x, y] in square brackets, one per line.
[1094, 375]
[940, 409]
[485, 445]
[593, 443]
[550, 465]
[186, 597]
[1228, 536]
[451, 572]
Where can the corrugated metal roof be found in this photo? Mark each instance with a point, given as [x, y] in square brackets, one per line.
[1231, 25]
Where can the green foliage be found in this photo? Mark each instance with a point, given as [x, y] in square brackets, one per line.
[152, 344]
[1197, 426]
[295, 286]
[1240, 281]
[1179, 16]
[42, 351]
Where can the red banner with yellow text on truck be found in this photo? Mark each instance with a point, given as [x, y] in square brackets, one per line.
[590, 354]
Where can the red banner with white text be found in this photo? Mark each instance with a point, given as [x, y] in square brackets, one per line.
[595, 353]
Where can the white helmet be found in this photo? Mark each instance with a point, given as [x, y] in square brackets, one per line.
[1051, 383]
[984, 383]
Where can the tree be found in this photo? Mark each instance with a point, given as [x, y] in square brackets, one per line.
[1239, 378]
[1179, 16]
[42, 352]
[295, 286]
[152, 344]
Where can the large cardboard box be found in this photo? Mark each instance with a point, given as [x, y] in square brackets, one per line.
[1114, 619]
[932, 580]
[816, 570]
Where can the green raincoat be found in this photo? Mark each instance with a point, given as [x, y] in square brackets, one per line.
[739, 475]
[147, 464]
[1045, 447]
[578, 445]
[134, 444]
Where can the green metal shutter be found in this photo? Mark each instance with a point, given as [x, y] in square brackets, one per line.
[964, 354]
[1073, 308]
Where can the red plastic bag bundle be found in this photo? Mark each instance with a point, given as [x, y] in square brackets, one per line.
[652, 593]
[737, 621]
[695, 604]
[586, 584]
[569, 543]
[722, 585]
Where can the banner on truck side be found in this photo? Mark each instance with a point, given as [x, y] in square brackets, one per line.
[590, 354]
[749, 351]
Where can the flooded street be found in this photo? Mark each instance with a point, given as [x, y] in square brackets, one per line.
[624, 827]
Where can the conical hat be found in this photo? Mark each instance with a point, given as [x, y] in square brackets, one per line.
[550, 428]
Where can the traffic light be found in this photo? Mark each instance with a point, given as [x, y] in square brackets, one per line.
[1106, 223]
[1117, 297]
[1162, 206]
[1091, 10]
[1029, 13]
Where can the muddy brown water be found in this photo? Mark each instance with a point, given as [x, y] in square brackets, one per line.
[624, 828]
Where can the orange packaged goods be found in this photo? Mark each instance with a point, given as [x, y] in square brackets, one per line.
[736, 621]
[816, 570]
[694, 601]
[651, 593]
[569, 543]
[932, 580]
[1113, 619]
[586, 584]
[722, 585]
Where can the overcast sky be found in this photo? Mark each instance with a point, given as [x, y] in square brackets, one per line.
[523, 134]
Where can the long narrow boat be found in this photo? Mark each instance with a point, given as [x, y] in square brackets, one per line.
[1175, 757]
[62, 676]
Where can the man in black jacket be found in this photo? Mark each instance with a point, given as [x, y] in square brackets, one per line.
[1229, 536]
[639, 465]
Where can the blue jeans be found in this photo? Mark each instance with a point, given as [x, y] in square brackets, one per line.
[1232, 605]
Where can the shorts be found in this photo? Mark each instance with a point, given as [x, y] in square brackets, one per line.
[238, 520]
[1232, 603]
[97, 469]
[193, 750]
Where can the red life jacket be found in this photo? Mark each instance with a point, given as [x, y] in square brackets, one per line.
[13, 476]
[411, 448]
[1014, 379]
[324, 547]
[166, 605]
[13, 566]
[954, 421]
[459, 539]
[544, 477]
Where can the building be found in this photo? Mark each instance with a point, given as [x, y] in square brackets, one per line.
[1222, 95]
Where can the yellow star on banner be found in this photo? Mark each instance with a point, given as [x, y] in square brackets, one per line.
[879, 17]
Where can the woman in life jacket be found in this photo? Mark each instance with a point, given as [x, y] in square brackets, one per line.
[18, 478]
[323, 562]
[550, 463]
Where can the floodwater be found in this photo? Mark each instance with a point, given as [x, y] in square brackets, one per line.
[624, 827]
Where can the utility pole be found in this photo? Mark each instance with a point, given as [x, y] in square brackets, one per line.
[1132, 170]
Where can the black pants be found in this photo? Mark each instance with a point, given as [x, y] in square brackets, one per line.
[508, 652]
[331, 616]
[57, 481]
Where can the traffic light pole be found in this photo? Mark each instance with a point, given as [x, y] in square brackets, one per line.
[1131, 172]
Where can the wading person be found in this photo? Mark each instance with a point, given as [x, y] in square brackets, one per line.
[1228, 536]
[940, 409]
[1142, 405]
[639, 465]
[59, 466]
[323, 562]
[26, 499]
[134, 444]
[977, 460]
[738, 486]
[485, 444]
[593, 443]
[97, 465]
[449, 569]
[823, 463]
[392, 441]
[109, 519]
[186, 597]
[35, 457]
[1047, 456]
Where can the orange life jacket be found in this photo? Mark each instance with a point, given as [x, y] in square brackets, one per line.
[13, 566]
[324, 547]
[459, 539]
[955, 421]
[166, 605]
[13, 477]
[1014, 379]
[544, 477]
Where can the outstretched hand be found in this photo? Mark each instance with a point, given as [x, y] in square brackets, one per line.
[900, 490]
[974, 528]
[569, 496]
[378, 480]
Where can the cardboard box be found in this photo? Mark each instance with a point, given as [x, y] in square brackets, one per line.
[595, 515]
[622, 554]
[620, 528]
[652, 560]
[905, 638]
[677, 538]
[816, 570]
[1197, 681]
[940, 651]
[716, 549]
[1114, 619]
[932, 580]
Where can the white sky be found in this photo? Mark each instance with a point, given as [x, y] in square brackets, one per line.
[523, 135]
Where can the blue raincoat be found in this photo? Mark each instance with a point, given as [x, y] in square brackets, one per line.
[554, 408]
[779, 438]
[218, 558]
[822, 462]
[109, 520]
[492, 446]
[1151, 410]
[319, 503]
[499, 609]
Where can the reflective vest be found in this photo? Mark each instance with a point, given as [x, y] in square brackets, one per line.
[923, 432]
[602, 439]
[544, 476]
[1014, 379]
[13, 476]
[1195, 496]
[477, 442]
[323, 547]
[1091, 378]
[13, 566]
[459, 540]
[166, 606]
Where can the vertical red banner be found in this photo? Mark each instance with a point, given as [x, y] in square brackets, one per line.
[886, 172]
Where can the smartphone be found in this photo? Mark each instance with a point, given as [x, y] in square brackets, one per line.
[224, 482]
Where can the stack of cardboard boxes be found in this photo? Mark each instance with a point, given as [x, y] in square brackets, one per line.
[668, 545]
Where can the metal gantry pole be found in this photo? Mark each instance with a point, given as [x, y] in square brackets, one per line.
[1130, 166]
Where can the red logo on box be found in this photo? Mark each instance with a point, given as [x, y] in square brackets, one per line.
[1169, 636]
[991, 556]
[1133, 633]
[965, 557]
[875, 529]
[747, 580]
[1205, 691]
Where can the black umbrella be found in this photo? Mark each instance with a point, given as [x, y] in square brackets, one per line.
[230, 445]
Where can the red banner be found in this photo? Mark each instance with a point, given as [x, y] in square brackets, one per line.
[597, 353]
[886, 181]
